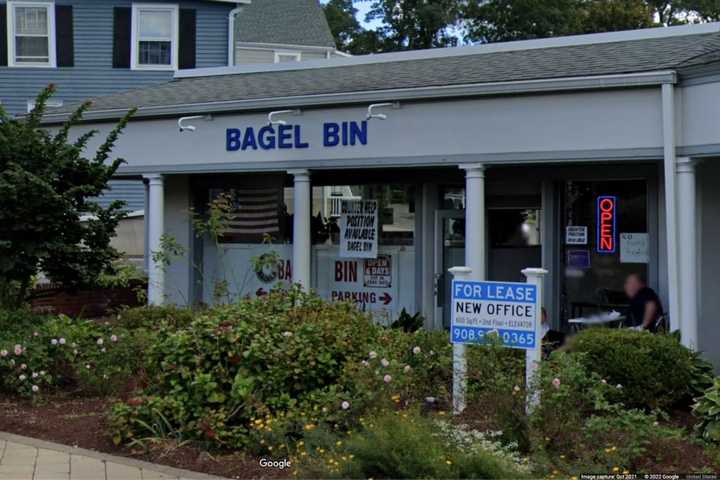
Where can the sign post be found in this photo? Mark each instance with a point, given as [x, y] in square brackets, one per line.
[510, 310]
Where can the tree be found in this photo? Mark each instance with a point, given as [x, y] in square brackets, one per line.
[416, 24]
[504, 20]
[45, 187]
[349, 35]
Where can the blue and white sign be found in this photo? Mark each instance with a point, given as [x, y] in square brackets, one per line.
[507, 309]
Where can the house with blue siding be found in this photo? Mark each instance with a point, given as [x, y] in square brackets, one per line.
[92, 48]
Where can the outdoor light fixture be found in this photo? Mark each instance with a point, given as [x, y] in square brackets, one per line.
[272, 115]
[191, 128]
[380, 116]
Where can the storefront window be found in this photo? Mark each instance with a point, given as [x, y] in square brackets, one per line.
[396, 212]
[605, 238]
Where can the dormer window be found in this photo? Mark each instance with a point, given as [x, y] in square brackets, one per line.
[155, 37]
[31, 28]
[287, 56]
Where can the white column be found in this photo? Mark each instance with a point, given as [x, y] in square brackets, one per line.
[687, 251]
[301, 228]
[671, 218]
[155, 210]
[475, 254]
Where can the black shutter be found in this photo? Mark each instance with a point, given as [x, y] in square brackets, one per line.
[122, 25]
[186, 53]
[3, 36]
[64, 42]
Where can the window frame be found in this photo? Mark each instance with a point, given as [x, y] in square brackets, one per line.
[174, 10]
[52, 52]
[287, 53]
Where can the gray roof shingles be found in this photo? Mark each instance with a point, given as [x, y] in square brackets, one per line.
[543, 63]
[287, 22]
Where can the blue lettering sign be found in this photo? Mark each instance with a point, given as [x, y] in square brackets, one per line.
[267, 138]
[232, 142]
[290, 136]
[330, 134]
[249, 139]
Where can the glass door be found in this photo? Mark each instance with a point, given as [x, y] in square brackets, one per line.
[449, 252]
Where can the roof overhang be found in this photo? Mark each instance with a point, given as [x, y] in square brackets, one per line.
[631, 80]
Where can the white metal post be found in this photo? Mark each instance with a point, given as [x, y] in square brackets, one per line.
[301, 228]
[156, 226]
[459, 360]
[687, 255]
[535, 277]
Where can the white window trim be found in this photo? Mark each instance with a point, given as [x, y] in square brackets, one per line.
[174, 9]
[52, 60]
[287, 53]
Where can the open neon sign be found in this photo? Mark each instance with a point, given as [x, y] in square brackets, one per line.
[606, 223]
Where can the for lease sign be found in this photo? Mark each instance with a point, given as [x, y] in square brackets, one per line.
[507, 309]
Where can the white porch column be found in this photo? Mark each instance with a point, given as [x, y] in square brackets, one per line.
[155, 211]
[302, 246]
[687, 251]
[475, 254]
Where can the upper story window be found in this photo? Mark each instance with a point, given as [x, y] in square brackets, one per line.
[154, 37]
[31, 32]
[288, 56]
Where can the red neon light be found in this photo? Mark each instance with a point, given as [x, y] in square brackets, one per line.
[606, 224]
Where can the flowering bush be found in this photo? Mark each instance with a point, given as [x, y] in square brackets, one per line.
[279, 356]
[406, 445]
[53, 352]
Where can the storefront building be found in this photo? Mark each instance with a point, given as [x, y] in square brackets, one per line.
[592, 156]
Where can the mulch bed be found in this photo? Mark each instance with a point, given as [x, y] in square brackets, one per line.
[81, 422]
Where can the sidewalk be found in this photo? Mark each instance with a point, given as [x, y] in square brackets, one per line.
[23, 458]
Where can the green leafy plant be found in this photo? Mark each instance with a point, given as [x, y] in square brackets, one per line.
[46, 185]
[707, 410]
[652, 371]
[407, 322]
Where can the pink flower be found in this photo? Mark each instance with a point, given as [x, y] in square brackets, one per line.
[384, 362]
[345, 405]
[18, 349]
[61, 341]
[387, 379]
[556, 382]
[23, 366]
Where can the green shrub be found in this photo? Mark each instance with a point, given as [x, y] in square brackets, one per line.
[234, 364]
[407, 322]
[653, 371]
[44, 353]
[153, 317]
[707, 410]
[405, 445]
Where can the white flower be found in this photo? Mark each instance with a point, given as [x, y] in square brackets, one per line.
[61, 341]
[73, 344]
[100, 341]
[516, 388]
[287, 334]
[22, 377]
[387, 379]
[75, 351]
[3, 353]
[113, 338]
[364, 363]
[416, 350]
[103, 350]
[407, 368]
[432, 353]
[87, 366]
[618, 386]
[372, 355]
[42, 373]
[18, 349]
[384, 362]
[54, 341]
[36, 334]
[105, 376]
[604, 381]
[12, 362]
[23, 366]
[345, 405]
[34, 375]
[35, 388]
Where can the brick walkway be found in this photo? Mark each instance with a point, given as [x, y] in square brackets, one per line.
[23, 458]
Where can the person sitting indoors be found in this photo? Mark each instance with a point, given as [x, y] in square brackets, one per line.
[645, 307]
